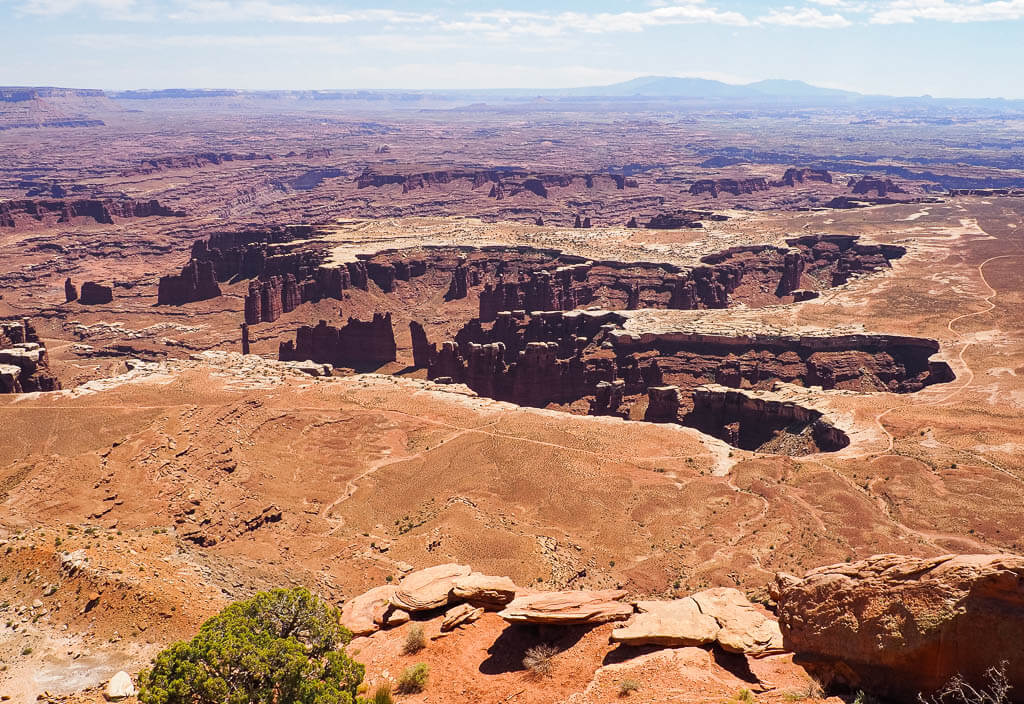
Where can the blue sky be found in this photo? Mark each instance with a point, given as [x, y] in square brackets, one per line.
[948, 48]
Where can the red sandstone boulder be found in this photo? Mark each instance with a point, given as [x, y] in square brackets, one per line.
[483, 590]
[898, 626]
[427, 589]
[366, 613]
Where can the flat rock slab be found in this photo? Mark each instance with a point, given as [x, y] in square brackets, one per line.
[459, 615]
[365, 613]
[491, 593]
[568, 608]
[428, 589]
[669, 623]
[742, 628]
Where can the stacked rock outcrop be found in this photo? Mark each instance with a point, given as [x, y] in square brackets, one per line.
[568, 608]
[432, 589]
[720, 615]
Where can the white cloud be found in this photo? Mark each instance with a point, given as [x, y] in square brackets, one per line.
[564, 23]
[804, 17]
[906, 11]
[268, 11]
[506, 24]
[110, 9]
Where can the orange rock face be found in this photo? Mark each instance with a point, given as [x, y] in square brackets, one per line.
[899, 626]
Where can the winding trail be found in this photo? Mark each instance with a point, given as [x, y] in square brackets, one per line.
[930, 536]
[960, 356]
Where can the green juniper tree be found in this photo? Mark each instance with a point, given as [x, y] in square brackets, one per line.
[285, 646]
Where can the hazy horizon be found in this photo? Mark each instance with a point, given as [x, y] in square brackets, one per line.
[942, 48]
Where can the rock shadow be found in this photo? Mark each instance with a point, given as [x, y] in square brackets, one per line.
[735, 664]
[507, 652]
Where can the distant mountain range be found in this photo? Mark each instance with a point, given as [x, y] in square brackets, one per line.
[657, 87]
[646, 90]
[673, 87]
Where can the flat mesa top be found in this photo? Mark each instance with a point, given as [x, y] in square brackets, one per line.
[350, 238]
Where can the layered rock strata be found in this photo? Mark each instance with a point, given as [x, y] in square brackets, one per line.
[736, 187]
[717, 381]
[559, 356]
[34, 212]
[502, 183]
[23, 361]
[762, 420]
[517, 277]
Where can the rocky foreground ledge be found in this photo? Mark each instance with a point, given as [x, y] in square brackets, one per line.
[897, 626]
[891, 625]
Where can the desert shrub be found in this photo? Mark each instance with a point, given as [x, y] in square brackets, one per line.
[745, 696]
[382, 695]
[414, 640]
[627, 687]
[279, 647]
[865, 698]
[413, 679]
[995, 690]
[813, 690]
[538, 659]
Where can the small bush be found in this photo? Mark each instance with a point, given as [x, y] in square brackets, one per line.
[538, 659]
[864, 698]
[812, 691]
[26, 650]
[745, 696]
[958, 691]
[413, 679]
[627, 687]
[414, 640]
[382, 695]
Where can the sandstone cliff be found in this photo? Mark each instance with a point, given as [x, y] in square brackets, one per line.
[23, 360]
[356, 343]
[898, 626]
